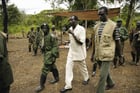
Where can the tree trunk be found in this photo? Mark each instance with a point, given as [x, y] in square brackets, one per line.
[130, 13]
[5, 16]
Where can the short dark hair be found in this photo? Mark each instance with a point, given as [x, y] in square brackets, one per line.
[105, 9]
[74, 17]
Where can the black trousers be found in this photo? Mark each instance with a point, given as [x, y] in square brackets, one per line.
[5, 90]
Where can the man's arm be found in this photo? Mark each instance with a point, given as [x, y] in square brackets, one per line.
[76, 39]
[116, 36]
[125, 36]
[93, 46]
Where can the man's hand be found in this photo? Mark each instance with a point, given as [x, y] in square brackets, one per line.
[69, 31]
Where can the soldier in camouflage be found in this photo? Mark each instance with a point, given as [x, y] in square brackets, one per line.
[31, 38]
[38, 39]
[6, 75]
[51, 52]
[135, 44]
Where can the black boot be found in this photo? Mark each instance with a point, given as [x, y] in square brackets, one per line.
[42, 82]
[35, 52]
[115, 61]
[94, 69]
[55, 75]
[29, 49]
[133, 58]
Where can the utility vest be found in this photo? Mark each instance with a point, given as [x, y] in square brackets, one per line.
[105, 47]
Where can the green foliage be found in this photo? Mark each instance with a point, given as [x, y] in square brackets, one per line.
[14, 16]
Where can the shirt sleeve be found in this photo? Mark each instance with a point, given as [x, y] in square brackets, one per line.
[116, 34]
[82, 35]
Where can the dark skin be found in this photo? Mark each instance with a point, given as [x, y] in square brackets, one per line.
[103, 18]
[45, 30]
[138, 26]
[73, 23]
[119, 23]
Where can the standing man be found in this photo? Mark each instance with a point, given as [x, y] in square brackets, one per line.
[51, 52]
[76, 54]
[6, 75]
[38, 39]
[31, 37]
[135, 44]
[123, 37]
[106, 39]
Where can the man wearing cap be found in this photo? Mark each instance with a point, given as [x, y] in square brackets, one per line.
[50, 52]
[76, 54]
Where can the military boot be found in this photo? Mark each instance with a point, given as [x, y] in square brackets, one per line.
[133, 58]
[42, 82]
[29, 49]
[55, 75]
[35, 52]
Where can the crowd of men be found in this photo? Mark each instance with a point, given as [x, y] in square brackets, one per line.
[107, 40]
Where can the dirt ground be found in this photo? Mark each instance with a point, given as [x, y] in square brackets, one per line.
[27, 69]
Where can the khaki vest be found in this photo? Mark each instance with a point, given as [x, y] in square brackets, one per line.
[105, 48]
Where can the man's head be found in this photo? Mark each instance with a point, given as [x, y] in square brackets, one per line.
[73, 20]
[38, 29]
[119, 22]
[53, 28]
[103, 12]
[45, 28]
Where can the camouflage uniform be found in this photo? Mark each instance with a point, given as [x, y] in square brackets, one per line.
[50, 50]
[31, 37]
[6, 76]
[135, 44]
[50, 53]
[38, 39]
[123, 36]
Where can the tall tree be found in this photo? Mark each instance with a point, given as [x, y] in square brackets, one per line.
[134, 5]
[14, 15]
[5, 16]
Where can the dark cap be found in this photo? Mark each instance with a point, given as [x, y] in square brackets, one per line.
[44, 25]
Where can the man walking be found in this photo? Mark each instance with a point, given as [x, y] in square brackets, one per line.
[51, 52]
[106, 39]
[76, 54]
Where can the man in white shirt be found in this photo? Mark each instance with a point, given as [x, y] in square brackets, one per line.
[76, 54]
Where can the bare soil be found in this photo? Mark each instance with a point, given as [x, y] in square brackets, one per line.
[27, 69]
